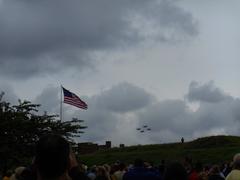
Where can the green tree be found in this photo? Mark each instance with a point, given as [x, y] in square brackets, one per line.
[21, 126]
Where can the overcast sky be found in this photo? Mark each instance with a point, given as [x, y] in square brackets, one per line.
[170, 64]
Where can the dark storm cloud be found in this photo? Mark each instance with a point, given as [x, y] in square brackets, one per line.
[205, 92]
[34, 34]
[172, 16]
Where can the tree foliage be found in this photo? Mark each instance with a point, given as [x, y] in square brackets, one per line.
[21, 126]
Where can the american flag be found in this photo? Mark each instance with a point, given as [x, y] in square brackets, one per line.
[73, 99]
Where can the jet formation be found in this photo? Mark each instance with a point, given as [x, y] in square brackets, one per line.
[143, 129]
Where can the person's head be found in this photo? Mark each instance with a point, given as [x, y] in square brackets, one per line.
[101, 171]
[214, 170]
[122, 166]
[236, 157]
[236, 161]
[107, 167]
[52, 156]
[175, 171]
[8, 173]
[18, 173]
[198, 167]
[93, 169]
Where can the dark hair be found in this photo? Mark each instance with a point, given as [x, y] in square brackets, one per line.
[236, 164]
[175, 171]
[138, 163]
[26, 174]
[215, 169]
[198, 167]
[122, 166]
[52, 156]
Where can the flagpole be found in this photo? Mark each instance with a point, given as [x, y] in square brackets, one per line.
[61, 103]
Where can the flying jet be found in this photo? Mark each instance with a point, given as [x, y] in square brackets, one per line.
[145, 126]
[149, 129]
[142, 131]
[138, 129]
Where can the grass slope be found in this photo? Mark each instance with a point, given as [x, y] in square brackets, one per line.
[214, 149]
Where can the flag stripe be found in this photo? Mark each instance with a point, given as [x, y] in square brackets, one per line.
[72, 102]
[73, 99]
[79, 106]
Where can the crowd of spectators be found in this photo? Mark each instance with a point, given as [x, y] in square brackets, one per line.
[54, 160]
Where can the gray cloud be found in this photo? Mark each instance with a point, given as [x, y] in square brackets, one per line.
[49, 100]
[170, 115]
[236, 109]
[28, 67]
[218, 113]
[169, 120]
[115, 114]
[108, 111]
[205, 92]
[101, 123]
[38, 37]
[122, 98]
[9, 94]
[166, 21]
[173, 16]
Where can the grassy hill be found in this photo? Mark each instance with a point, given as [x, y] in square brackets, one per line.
[214, 149]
